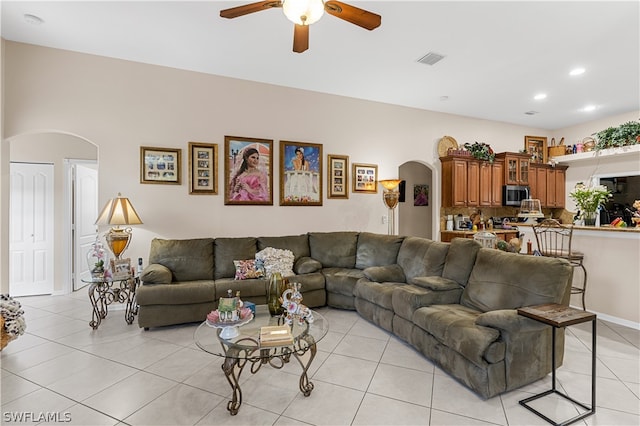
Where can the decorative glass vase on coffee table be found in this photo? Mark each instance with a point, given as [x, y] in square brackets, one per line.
[246, 349]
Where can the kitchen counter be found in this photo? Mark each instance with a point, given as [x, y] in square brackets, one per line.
[605, 228]
[503, 234]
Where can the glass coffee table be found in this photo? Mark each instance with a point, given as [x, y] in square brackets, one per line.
[245, 349]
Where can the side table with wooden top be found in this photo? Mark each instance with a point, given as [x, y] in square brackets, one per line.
[560, 316]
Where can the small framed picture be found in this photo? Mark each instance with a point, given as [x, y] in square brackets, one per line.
[338, 176]
[160, 165]
[248, 171]
[536, 146]
[203, 168]
[121, 269]
[300, 174]
[365, 178]
[421, 195]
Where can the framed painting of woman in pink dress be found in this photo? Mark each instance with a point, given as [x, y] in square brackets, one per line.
[248, 171]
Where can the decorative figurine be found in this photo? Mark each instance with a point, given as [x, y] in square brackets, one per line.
[293, 307]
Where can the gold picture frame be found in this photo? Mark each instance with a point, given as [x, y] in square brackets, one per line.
[536, 146]
[203, 168]
[160, 165]
[338, 176]
[240, 186]
[364, 178]
[300, 174]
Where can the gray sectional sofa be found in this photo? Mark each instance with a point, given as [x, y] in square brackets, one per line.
[454, 302]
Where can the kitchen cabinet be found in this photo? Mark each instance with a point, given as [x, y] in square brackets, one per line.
[548, 185]
[467, 182]
[516, 167]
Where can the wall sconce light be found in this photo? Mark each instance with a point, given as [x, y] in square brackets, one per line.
[118, 211]
[391, 196]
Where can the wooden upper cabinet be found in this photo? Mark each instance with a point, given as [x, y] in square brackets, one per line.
[473, 183]
[516, 167]
[497, 182]
[454, 182]
[468, 182]
[548, 185]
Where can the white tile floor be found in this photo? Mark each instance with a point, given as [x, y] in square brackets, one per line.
[120, 374]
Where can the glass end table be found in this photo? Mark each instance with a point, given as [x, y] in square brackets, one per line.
[105, 291]
[245, 349]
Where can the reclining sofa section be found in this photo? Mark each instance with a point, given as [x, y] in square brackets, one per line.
[454, 302]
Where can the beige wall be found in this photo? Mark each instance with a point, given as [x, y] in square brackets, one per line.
[4, 186]
[119, 106]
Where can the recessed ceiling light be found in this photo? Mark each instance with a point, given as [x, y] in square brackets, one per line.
[33, 19]
[540, 96]
[589, 108]
[577, 71]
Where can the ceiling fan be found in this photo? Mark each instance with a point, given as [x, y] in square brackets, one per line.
[305, 12]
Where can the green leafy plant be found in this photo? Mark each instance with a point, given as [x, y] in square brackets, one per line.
[623, 135]
[588, 198]
[480, 151]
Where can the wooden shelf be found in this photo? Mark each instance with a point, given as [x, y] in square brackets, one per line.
[592, 155]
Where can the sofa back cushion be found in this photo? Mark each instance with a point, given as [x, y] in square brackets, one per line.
[298, 244]
[460, 260]
[501, 280]
[421, 257]
[188, 260]
[334, 249]
[377, 250]
[230, 249]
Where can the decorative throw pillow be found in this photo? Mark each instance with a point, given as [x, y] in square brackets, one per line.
[276, 260]
[246, 269]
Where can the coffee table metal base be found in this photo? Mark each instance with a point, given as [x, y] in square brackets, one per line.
[236, 359]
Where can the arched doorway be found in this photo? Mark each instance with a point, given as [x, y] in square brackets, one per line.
[415, 217]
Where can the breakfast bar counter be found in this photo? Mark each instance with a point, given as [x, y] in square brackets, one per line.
[503, 234]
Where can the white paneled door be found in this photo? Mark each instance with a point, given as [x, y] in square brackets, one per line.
[85, 207]
[31, 229]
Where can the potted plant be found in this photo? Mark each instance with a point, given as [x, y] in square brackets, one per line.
[623, 135]
[588, 199]
[481, 151]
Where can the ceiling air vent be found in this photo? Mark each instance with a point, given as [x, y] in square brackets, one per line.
[531, 112]
[431, 58]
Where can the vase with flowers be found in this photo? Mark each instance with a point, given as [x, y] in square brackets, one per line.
[97, 260]
[588, 199]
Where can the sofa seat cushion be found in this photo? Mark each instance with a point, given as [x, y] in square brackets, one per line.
[454, 326]
[501, 280]
[380, 294]
[334, 249]
[377, 250]
[247, 288]
[183, 293]
[188, 260]
[341, 280]
[309, 282]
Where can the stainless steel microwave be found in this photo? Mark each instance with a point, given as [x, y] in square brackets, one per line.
[512, 195]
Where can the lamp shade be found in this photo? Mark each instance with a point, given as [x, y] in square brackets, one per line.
[390, 184]
[118, 211]
[303, 12]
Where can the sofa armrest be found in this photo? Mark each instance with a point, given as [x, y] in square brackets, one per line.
[383, 274]
[435, 283]
[306, 265]
[509, 320]
[156, 273]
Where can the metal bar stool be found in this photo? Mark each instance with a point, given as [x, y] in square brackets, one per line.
[554, 240]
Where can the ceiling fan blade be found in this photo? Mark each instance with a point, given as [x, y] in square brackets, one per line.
[300, 38]
[246, 9]
[355, 15]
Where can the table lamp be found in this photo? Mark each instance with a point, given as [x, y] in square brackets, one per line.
[391, 196]
[118, 211]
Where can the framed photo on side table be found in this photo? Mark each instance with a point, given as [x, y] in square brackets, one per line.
[300, 174]
[365, 178]
[203, 168]
[537, 147]
[120, 269]
[160, 165]
[338, 176]
[248, 171]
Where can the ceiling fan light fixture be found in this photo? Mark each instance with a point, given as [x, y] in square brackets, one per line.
[303, 12]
